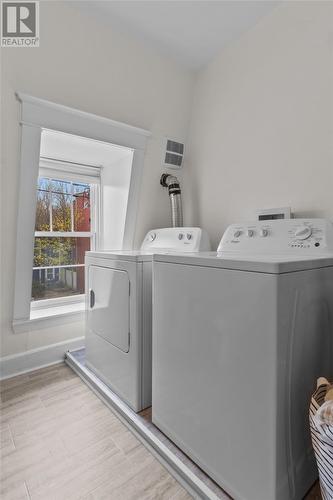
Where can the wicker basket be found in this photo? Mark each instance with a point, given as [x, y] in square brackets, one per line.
[321, 424]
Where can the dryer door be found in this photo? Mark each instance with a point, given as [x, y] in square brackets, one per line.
[109, 306]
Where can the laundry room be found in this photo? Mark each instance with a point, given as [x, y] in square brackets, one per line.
[167, 249]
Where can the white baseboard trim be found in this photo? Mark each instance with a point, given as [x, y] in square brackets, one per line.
[24, 362]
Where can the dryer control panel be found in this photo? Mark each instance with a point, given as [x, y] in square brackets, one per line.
[176, 239]
[292, 236]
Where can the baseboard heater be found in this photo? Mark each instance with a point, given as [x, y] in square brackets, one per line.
[183, 474]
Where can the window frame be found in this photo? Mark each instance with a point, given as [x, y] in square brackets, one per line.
[56, 173]
[35, 115]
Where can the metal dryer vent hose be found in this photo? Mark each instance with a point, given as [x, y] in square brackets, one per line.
[172, 183]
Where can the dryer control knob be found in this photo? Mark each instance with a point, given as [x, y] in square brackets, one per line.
[189, 236]
[237, 233]
[264, 233]
[151, 236]
[249, 233]
[180, 236]
[303, 232]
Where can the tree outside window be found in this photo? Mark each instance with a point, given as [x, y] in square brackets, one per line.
[62, 236]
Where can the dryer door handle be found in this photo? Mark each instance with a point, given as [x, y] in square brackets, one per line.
[91, 298]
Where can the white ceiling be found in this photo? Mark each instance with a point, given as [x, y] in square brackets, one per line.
[192, 32]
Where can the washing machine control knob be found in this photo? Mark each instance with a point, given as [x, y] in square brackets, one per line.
[303, 232]
[250, 233]
[189, 236]
[180, 236]
[237, 233]
[151, 236]
[263, 233]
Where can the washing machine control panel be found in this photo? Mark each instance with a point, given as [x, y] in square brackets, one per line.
[176, 239]
[289, 235]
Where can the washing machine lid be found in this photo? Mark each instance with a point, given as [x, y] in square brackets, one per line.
[127, 255]
[273, 264]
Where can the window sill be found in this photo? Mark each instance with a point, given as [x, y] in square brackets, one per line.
[57, 310]
[50, 316]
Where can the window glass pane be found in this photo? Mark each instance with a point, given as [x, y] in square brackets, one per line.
[81, 207]
[43, 205]
[62, 206]
[61, 193]
[60, 251]
[57, 282]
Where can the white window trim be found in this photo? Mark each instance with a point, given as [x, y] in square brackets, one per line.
[38, 114]
[65, 234]
[53, 303]
[87, 173]
[54, 312]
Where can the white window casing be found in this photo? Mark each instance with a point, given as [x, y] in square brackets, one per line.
[36, 115]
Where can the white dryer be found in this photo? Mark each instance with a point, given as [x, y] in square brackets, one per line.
[118, 311]
[239, 338]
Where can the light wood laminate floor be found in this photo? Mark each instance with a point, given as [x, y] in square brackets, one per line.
[59, 441]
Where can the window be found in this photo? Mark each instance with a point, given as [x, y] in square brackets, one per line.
[110, 154]
[65, 228]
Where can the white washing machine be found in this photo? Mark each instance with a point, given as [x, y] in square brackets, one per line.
[239, 339]
[118, 311]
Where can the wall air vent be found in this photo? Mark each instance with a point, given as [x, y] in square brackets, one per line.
[173, 154]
